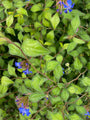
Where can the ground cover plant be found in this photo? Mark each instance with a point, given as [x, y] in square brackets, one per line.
[44, 60]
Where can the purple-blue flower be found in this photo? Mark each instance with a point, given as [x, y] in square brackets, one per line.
[18, 64]
[26, 71]
[68, 6]
[24, 111]
[87, 113]
[60, 3]
[26, 67]
[57, 10]
[63, 70]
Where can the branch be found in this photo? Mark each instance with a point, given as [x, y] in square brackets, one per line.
[75, 78]
[9, 41]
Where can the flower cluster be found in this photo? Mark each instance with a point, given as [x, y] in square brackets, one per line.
[88, 114]
[23, 104]
[66, 5]
[20, 65]
[24, 110]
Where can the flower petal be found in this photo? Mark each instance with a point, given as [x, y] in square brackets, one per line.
[69, 2]
[65, 11]
[70, 10]
[18, 64]
[72, 5]
[65, 6]
[27, 71]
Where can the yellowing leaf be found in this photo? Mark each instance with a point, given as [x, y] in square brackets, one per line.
[9, 20]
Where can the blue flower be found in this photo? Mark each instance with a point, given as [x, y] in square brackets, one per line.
[18, 64]
[60, 3]
[24, 110]
[68, 6]
[57, 10]
[63, 70]
[17, 100]
[87, 113]
[27, 71]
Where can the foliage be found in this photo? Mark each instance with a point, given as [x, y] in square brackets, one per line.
[44, 59]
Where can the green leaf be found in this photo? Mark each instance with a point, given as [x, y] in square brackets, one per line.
[71, 107]
[86, 16]
[48, 58]
[27, 83]
[78, 41]
[18, 27]
[20, 36]
[37, 25]
[71, 46]
[49, 3]
[3, 89]
[20, 19]
[65, 95]
[13, 50]
[46, 23]
[2, 62]
[7, 4]
[1, 8]
[6, 81]
[83, 34]
[35, 97]
[88, 5]
[76, 12]
[11, 70]
[2, 41]
[47, 14]
[55, 91]
[75, 23]
[75, 89]
[50, 36]
[59, 58]
[60, 85]
[77, 64]
[22, 11]
[55, 116]
[88, 65]
[58, 72]
[88, 90]
[55, 100]
[10, 31]
[83, 60]
[85, 81]
[36, 83]
[55, 21]
[18, 4]
[22, 89]
[33, 48]
[51, 65]
[88, 44]
[75, 117]
[9, 20]
[74, 53]
[79, 101]
[81, 110]
[36, 7]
